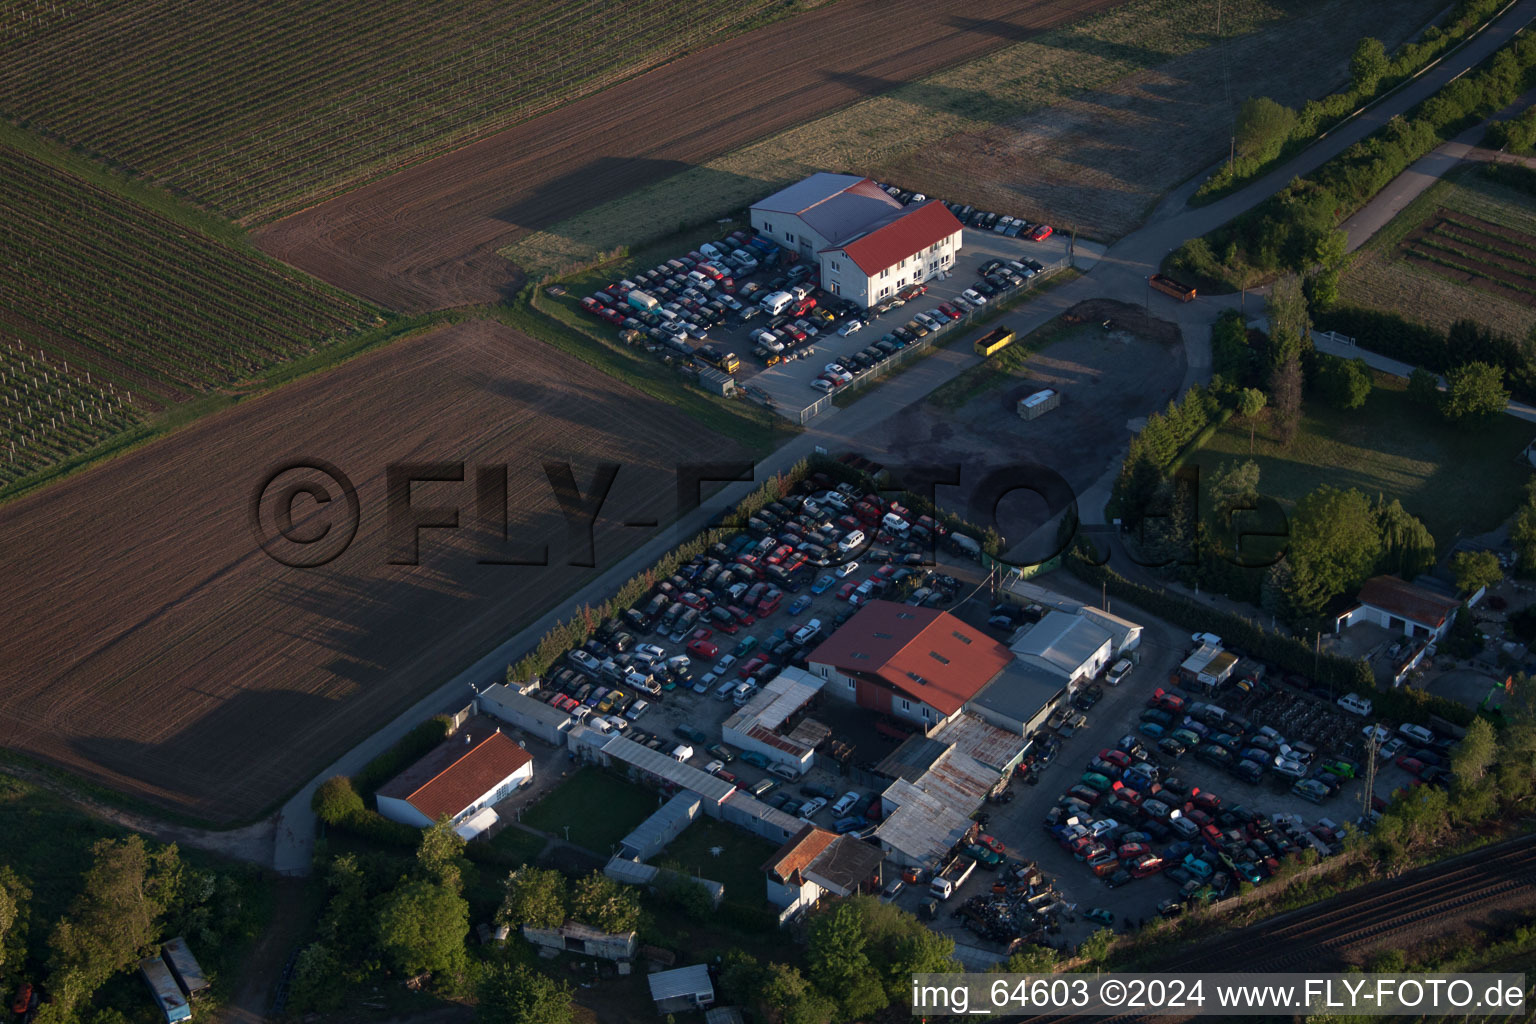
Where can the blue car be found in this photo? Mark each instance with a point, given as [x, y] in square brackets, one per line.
[799, 604]
[1151, 729]
[823, 584]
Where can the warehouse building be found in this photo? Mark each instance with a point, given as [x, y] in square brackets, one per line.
[919, 829]
[534, 717]
[1021, 698]
[760, 724]
[917, 664]
[866, 244]
[1402, 607]
[1071, 646]
[461, 779]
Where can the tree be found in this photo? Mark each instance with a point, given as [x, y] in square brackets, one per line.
[15, 906]
[534, 897]
[1251, 402]
[839, 965]
[1522, 534]
[1290, 327]
[1474, 570]
[517, 994]
[1262, 128]
[785, 992]
[440, 853]
[115, 918]
[1033, 960]
[1235, 488]
[1423, 387]
[1285, 398]
[1463, 639]
[1335, 544]
[1096, 946]
[421, 927]
[1345, 383]
[1407, 549]
[605, 904]
[1475, 393]
[1331, 258]
[1369, 65]
[1472, 757]
[336, 800]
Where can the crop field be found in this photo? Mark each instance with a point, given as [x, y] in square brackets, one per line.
[1440, 285]
[427, 237]
[262, 108]
[214, 680]
[162, 311]
[1475, 252]
[52, 413]
[1091, 119]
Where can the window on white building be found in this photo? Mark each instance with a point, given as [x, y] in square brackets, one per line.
[906, 705]
[926, 713]
[767, 227]
[850, 684]
[789, 238]
[836, 266]
[837, 289]
[945, 258]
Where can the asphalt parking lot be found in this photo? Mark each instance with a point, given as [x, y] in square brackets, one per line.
[788, 384]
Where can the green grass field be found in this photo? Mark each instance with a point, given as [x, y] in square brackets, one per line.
[1460, 483]
[990, 91]
[1382, 278]
[738, 867]
[600, 809]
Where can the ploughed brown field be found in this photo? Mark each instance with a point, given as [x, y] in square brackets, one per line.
[151, 645]
[426, 237]
[1475, 252]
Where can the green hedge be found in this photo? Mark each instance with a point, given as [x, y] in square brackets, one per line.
[412, 747]
[1286, 653]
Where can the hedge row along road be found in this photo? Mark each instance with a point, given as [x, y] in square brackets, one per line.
[426, 237]
[261, 108]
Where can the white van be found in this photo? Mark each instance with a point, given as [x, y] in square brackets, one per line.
[844, 804]
[682, 751]
[1355, 704]
[775, 303]
[894, 524]
[850, 542]
[724, 690]
[1417, 733]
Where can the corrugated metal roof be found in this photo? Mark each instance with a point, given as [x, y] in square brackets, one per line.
[1021, 690]
[682, 983]
[669, 820]
[664, 766]
[958, 779]
[844, 865]
[779, 698]
[1062, 641]
[501, 695]
[835, 206]
[746, 804]
[983, 741]
[915, 755]
[922, 827]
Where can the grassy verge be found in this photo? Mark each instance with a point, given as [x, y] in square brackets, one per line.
[1392, 448]
[738, 866]
[993, 90]
[598, 809]
[559, 322]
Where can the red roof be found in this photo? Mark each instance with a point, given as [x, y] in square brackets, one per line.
[907, 232]
[464, 768]
[793, 857]
[923, 653]
[1403, 599]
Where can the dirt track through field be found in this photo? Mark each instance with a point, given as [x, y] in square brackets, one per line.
[426, 237]
[151, 646]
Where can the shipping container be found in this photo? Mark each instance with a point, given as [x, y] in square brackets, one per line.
[1169, 286]
[178, 956]
[1038, 404]
[993, 341]
[165, 990]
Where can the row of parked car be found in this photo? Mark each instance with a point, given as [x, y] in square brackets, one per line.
[972, 217]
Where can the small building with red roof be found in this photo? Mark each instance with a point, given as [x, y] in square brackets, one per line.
[918, 664]
[461, 779]
[1402, 607]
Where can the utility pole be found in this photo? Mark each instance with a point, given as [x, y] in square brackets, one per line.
[1371, 747]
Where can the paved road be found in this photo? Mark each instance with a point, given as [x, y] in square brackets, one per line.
[1121, 273]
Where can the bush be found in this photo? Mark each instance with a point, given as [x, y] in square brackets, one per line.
[336, 801]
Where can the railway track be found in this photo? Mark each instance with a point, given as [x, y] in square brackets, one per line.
[1315, 938]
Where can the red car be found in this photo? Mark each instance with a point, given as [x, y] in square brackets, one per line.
[752, 667]
[1412, 765]
[1208, 801]
[694, 601]
[1161, 698]
[1131, 851]
[704, 649]
[1118, 758]
[1041, 233]
[992, 843]
[742, 616]
[1150, 864]
[23, 998]
[846, 591]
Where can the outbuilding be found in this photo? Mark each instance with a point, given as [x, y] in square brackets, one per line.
[1072, 646]
[1402, 607]
[469, 772]
[683, 989]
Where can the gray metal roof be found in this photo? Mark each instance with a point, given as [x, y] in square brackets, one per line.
[665, 766]
[922, 827]
[666, 824]
[682, 983]
[1020, 691]
[915, 755]
[835, 206]
[1062, 641]
[993, 747]
[503, 697]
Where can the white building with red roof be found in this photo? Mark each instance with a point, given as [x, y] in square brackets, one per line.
[867, 245]
[918, 664]
[462, 778]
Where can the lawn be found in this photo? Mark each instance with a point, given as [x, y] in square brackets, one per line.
[977, 95]
[1383, 278]
[600, 809]
[1459, 483]
[739, 867]
[518, 843]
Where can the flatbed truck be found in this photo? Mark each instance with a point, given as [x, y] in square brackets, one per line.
[947, 882]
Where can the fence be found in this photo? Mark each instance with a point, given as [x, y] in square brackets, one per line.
[904, 355]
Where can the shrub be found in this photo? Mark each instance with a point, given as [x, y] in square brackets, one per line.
[407, 751]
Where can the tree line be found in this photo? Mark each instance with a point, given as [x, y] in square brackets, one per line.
[1265, 131]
